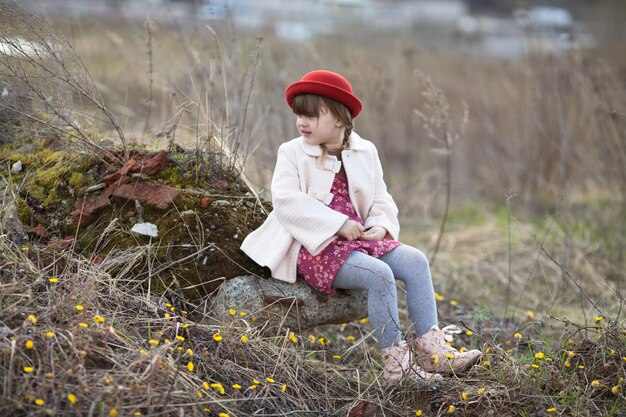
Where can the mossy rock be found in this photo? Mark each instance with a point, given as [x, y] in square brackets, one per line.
[199, 235]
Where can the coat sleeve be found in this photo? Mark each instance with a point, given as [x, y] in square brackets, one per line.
[384, 212]
[307, 219]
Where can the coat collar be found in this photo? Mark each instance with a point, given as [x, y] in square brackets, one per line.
[356, 144]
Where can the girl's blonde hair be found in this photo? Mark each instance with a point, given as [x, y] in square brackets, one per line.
[310, 105]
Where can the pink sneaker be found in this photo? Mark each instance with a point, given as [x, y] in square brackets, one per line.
[436, 356]
[399, 363]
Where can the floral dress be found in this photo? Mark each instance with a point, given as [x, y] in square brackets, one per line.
[319, 271]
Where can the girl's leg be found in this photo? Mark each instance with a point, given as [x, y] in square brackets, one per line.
[361, 271]
[411, 266]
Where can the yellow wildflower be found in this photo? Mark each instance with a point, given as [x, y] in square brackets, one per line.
[25, 248]
[98, 319]
[223, 415]
[256, 382]
[581, 366]
[242, 313]
[172, 309]
[79, 307]
[166, 316]
[350, 339]
[252, 387]
[530, 314]
[183, 312]
[293, 339]
[312, 338]
[232, 311]
[190, 366]
[611, 352]
[189, 352]
[567, 364]
[206, 410]
[107, 379]
[236, 386]
[570, 354]
[39, 402]
[32, 318]
[199, 394]
[186, 325]
[463, 349]
[205, 385]
[595, 383]
[435, 358]
[451, 409]
[143, 351]
[363, 321]
[418, 413]
[83, 325]
[464, 396]
[283, 388]
[153, 342]
[53, 280]
[518, 336]
[449, 356]
[137, 413]
[507, 342]
[168, 305]
[615, 390]
[598, 319]
[539, 355]
[454, 302]
[180, 338]
[469, 332]
[113, 413]
[29, 344]
[71, 398]
[270, 380]
[28, 369]
[244, 339]
[480, 391]
[49, 334]
[336, 357]
[217, 337]
[534, 365]
[551, 410]
[322, 341]
[438, 297]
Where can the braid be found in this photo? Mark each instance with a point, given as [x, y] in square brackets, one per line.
[346, 135]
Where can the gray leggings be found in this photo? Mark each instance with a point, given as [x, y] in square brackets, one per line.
[377, 276]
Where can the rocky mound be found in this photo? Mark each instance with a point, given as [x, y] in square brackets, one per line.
[172, 221]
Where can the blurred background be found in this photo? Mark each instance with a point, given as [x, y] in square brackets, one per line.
[518, 106]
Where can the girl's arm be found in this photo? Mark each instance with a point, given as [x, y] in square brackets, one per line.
[384, 212]
[307, 219]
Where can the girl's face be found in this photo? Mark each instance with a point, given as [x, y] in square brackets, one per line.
[323, 130]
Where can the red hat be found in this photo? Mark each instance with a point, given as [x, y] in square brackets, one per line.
[328, 84]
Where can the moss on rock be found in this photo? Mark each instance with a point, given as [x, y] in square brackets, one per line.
[199, 235]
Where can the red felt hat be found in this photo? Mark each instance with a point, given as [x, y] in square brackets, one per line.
[328, 84]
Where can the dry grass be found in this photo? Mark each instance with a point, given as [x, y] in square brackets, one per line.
[77, 341]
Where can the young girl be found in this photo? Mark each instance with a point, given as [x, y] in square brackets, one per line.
[335, 224]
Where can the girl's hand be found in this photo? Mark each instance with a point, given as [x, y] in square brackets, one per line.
[375, 233]
[350, 230]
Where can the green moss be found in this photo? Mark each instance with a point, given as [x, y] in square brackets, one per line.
[23, 211]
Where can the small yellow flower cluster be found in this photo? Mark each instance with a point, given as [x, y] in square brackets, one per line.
[217, 337]
[293, 338]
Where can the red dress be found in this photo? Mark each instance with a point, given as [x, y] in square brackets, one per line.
[319, 271]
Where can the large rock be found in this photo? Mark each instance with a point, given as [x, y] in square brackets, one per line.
[296, 306]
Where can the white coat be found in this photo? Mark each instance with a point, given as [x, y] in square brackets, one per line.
[301, 194]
